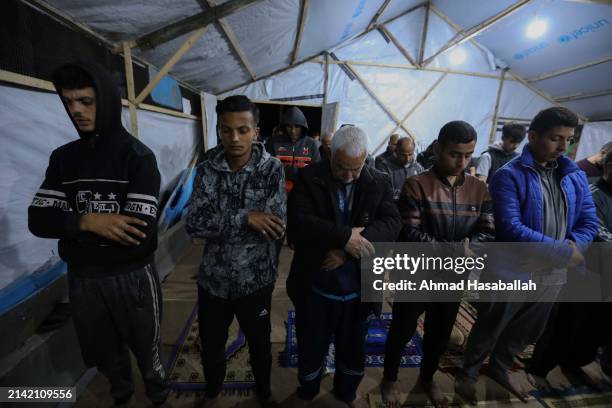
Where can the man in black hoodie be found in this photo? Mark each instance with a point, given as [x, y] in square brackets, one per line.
[99, 198]
[293, 147]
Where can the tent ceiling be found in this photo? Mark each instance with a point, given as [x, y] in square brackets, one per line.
[266, 32]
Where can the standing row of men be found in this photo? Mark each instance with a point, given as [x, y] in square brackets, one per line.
[99, 197]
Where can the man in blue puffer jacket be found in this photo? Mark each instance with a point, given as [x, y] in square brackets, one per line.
[543, 197]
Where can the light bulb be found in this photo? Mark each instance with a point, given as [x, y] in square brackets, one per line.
[457, 56]
[536, 28]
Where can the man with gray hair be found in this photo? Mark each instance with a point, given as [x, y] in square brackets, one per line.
[400, 165]
[335, 212]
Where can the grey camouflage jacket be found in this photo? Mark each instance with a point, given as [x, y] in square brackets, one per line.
[237, 260]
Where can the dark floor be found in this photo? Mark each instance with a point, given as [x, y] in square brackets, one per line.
[179, 296]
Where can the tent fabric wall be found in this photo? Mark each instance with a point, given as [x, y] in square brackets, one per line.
[395, 8]
[458, 97]
[267, 47]
[371, 47]
[577, 33]
[34, 123]
[584, 80]
[210, 63]
[304, 80]
[360, 109]
[467, 97]
[330, 23]
[211, 119]
[399, 89]
[408, 31]
[173, 140]
[266, 32]
[123, 20]
[520, 102]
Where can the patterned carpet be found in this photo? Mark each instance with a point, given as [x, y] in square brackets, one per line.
[185, 368]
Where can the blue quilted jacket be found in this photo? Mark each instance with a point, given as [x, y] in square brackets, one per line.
[519, 211]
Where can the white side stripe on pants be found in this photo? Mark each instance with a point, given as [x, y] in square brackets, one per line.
[157, 366]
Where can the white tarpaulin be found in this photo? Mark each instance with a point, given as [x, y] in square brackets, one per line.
[33, 125]
[303, 80]
[458, 97]
[519, 102]
[172, 139]
[266, 32]
[211, 119]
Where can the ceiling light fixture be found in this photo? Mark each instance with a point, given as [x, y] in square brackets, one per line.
[458, 56]
[536, 28]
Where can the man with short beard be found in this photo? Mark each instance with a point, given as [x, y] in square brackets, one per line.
[442, 204]
[540, 197]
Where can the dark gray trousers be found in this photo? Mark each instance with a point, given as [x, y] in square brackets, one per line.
[117, 313]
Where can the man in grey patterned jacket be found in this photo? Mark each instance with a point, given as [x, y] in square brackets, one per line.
[239, 207]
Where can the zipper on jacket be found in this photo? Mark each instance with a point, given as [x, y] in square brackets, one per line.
[566, 204]
[454, 190]
[564, 197]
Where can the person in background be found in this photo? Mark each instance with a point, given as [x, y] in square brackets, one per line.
[293, 147]
[400, 165]
[501, 152]
[325, 148]
[593, 165]
[238, 206]
[427, 157]
[316, 136]
[471, 167]
[602, 197]
[390, 148]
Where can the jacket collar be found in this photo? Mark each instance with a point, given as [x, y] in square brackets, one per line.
[565, 166]
[324, 175]
[444, 180]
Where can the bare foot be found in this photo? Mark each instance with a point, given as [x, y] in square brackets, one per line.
[539, 383]
[358, 403]
[390, 393]
[510, 383]
[465, 387]
[435, 394]
[577, 376]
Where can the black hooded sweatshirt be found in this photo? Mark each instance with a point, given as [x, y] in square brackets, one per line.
[294, 155]
[118, 175]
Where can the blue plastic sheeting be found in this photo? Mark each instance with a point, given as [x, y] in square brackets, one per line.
[178, 200]
[167, 91]
[29, 285]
